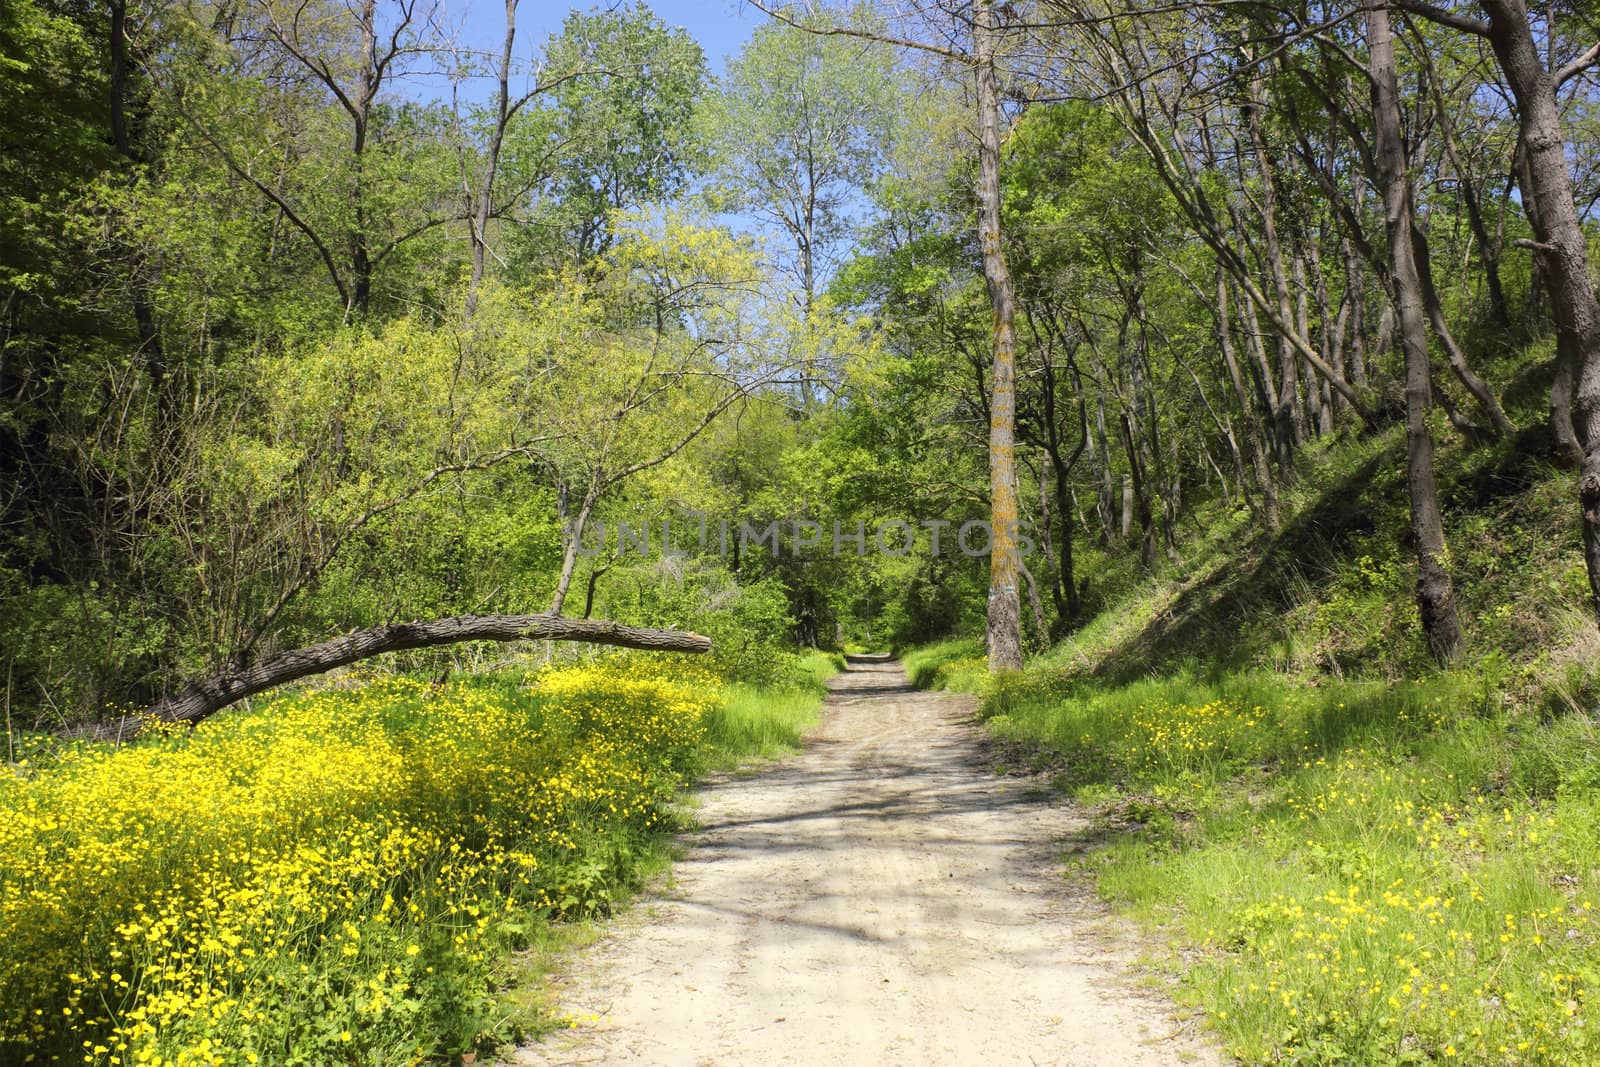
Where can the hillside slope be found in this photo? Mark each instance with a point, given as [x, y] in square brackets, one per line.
[1352, 856]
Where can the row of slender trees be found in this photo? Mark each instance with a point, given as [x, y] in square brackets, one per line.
[1290, 142]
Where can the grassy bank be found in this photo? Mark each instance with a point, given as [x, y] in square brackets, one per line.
[341, 876]
[1353, 857]
[1349, 872]
[755, 721]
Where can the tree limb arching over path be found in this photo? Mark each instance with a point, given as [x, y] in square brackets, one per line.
[879, 899]
[201, 699]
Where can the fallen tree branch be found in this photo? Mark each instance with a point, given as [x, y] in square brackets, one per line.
[202, 699]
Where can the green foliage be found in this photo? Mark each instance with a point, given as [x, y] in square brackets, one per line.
[748, 622]
[622, 131]
[751, 721]
[798, 130]
[52, 87]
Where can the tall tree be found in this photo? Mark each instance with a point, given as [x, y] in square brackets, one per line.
[624, 137]
[1005, 559]
[798, 128]
[481, 171]
[1559, 240]
[1435, 591]
[982, 20]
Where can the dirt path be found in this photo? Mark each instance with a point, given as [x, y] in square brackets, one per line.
[879, 899]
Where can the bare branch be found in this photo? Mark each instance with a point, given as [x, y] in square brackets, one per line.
[1577, 66]
[864, 35]
[202, 699]
[1444, 16]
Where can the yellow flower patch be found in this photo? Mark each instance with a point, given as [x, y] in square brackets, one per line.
[336, 871]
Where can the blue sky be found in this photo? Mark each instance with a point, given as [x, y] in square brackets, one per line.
[721, 26]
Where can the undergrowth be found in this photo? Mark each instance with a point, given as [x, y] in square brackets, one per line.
[1354, 858]
[352, 876]
[1350, 872]
[751, 721]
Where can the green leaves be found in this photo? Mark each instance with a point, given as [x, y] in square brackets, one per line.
[799, 129]
[619, 130]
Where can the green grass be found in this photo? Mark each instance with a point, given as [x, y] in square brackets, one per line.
[956, 664]
[1350, 856]
[751, 722]
[1348, 871]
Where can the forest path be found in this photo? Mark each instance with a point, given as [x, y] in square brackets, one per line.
[880, 898]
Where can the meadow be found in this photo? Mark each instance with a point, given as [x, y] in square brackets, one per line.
[1337, 872]
[350, 874]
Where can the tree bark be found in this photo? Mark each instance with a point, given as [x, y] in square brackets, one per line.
[127, 121]
[1435, 591]
[1004, 637]
[369, 80]
[480, 211]
[1330, 332]
[1135, 498]
[1065, 590]
[1355, 293]
[1441, 327]
[1266, 388]
[1562, 252]
[1127, 507]
[200, 700]
[1258, 451]
[1316, 425]
[573, 534]
[1290, 424]
[1106, 497]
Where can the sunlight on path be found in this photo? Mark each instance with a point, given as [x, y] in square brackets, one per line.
[879, 899]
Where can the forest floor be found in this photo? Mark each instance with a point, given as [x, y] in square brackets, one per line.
[882, 897]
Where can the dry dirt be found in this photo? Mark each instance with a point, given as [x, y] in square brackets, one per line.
[881, 898]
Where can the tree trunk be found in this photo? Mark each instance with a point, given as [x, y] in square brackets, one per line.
[482, 210]
[1126, 524]
[1330, 332]
[574, 537]
[1142, 428]
[1355, 293]
[1258, 451]
[1290, 421]
[1563, 255]
[369, 80]
[1106, 498]
[127, 121]
[1135, 497]
[1005, 608]
[1315, 425]
[200, 700]
[1065, 590]
[1068, 605]
[1435, 592]
[1267, 388]
[1041, 624]
[1441, 327]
